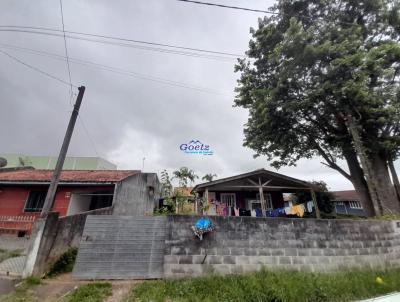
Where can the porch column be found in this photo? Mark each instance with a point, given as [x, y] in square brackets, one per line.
[314, 198]
[206, 197]
[262, 200]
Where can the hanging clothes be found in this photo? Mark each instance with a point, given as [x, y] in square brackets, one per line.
[253, 213]
[259, 213]
[236, 210]
[288, 210]
[212, 210]
[298, 210]
[310, 205]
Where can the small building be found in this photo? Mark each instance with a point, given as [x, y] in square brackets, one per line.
[121, 192]
[248, 191]
[348, 203]
[49, 162]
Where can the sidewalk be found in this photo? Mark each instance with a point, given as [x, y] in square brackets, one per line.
[394, 297]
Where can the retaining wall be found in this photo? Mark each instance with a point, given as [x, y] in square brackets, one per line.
[53, 236]
[244, 244]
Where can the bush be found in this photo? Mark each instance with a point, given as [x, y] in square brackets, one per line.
[65, 263]
[33, 281]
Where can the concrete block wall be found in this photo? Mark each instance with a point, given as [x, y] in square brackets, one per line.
[245, 244]
[53, 236]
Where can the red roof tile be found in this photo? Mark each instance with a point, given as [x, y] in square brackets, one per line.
[349, 195]
[98, 176]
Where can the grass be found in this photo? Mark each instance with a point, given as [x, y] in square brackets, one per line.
[272, 286]
[6, 254]
[23, 291]
[64, 264]
[93, 292]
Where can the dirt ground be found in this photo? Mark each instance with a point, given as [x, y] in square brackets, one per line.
[52, 290]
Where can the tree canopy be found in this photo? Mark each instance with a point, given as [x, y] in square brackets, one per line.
[312, 67]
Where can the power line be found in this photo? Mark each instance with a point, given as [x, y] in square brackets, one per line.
[36, 69]
[229, 6]
[113, 69]
[88, 135]
[162, 50]
[213, 52]
[254, 10]
[66, 51]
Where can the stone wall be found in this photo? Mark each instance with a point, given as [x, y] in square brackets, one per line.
[244, 244]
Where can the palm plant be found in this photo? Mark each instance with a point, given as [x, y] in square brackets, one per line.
[209, 177]
[184, 175]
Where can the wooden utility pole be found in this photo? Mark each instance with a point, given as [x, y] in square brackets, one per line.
[48, 202]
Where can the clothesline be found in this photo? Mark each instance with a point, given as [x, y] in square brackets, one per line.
[296, 210]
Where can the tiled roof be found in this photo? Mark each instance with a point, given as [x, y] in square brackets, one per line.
[73, 176]
[349, 195]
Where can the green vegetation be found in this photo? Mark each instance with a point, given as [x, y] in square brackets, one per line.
[24, 291]
[318, 80]
[65, 263]
[94, 292]
[31, 281]
[6, 254]
[268, 286]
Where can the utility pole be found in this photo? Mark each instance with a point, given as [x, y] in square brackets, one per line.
[48, 202]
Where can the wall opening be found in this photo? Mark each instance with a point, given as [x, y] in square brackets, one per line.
[88, 201]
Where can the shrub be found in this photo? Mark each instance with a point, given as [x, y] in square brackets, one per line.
[65, 263]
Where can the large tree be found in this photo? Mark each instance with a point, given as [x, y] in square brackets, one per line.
[322, 79]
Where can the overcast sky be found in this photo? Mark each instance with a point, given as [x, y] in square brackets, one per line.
[129, 118]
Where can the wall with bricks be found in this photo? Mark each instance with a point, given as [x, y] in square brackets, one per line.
[245, 244]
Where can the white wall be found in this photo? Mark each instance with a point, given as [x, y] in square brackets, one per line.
[78, 204]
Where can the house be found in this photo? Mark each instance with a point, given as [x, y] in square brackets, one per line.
[122, 192]
[348, 203]
[247, 191]
[49, 162]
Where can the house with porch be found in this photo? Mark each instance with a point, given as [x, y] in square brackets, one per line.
[347, 203]
[120, 192]
[259, 190]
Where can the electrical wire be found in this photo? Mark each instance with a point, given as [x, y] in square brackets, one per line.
[253, 10]
[229, 6]
[113, 69]
[168, 47]
[37, 69]
[66, 51]
[87, 134]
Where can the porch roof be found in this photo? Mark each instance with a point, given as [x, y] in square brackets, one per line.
[252, 181]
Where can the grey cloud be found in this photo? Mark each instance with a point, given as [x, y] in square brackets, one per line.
[130, 118]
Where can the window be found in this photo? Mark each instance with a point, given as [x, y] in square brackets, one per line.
[355, 205]
[229, 199]
[35, 201]
[268, 200]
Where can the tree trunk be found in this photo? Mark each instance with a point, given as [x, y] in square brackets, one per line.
[380, 176]
[366, 165]
[358, 181]
[395, 179]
